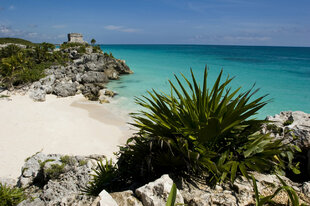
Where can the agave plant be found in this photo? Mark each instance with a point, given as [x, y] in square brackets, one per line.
[197, 130]
[104, 177]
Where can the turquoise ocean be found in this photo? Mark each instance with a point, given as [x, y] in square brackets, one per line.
[281, 72]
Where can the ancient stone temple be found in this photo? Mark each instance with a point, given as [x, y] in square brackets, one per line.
[75, 38]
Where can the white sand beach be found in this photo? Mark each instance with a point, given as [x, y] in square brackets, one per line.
[69, 125]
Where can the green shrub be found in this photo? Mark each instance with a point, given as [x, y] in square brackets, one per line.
[198, 132]
[106, 176]
[80, 47]
[97, 49]
[16, 41]
[108, 55]
[288, 122]
[67, 160]
[274, 128]
[20, 66]
[210, 133]
[82, 162]
[54, 171]
[10, 196]
[9, 50]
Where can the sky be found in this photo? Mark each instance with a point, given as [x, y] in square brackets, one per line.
[215, 22]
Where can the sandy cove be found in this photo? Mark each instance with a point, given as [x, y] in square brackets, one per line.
[70, 125]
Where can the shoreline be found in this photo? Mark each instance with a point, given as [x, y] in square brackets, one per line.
[71, 125]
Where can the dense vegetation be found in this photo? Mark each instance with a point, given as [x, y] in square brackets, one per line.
[209, 134]
[19, 65]
[10, 196]
[22, 65]
[16, 41]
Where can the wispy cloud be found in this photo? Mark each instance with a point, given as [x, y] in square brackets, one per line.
[5, 30]
[59, 26]
[121, 29]
[12, 7]
[8, 31]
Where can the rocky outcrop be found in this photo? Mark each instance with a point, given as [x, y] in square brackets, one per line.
[86, 73]
[126, 198]
[290, 123]
[57, 179]
[156, 193]
[293, 127]
[240, 193]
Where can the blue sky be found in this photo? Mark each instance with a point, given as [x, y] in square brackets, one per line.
[220, 22]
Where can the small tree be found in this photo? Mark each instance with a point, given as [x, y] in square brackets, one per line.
[93, 41]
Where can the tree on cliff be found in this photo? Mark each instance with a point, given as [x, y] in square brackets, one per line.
[93, 41]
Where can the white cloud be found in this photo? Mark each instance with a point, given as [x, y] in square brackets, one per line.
[5, 30]
[120, 29]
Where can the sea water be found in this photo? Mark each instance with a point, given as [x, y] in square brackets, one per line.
[281, 72]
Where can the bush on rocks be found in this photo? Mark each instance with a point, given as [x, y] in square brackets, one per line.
[198, 132]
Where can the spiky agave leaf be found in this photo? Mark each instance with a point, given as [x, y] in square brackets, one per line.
[212, 130]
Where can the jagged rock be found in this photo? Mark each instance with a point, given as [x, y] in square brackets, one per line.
[39, 89]
[48, 80]
[91, 91]
[156, 193]
[298, 122]
[306, 188]
[32, 168]
[103, 101]
[241, 193]
[65, 89]
[89, 50]
[82, 70]
[109, 93]
[91, 66]
[106, 199]
[65, 188]
[112, 74]
[293, 127]
[94, 77]
[126, 198]
[37, 95]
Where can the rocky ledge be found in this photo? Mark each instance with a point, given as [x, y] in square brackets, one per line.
[59, 180]
[85, 73]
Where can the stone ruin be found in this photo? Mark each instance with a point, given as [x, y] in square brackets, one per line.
[75, 38]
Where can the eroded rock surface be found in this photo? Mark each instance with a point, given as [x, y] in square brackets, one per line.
[57, 179]
[156, 193]
[86, 73]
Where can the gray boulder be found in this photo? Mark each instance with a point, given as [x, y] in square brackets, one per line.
[156, 193]
[126, 198]
[106, 199]
[73, 174]
[112, 74]
[293, 127]
[65, 89]
[37, 95]
[32, 168]
[298, 122]
[240, 193]
[94, 77]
